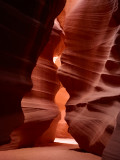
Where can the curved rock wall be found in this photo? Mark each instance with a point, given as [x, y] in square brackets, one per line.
[25, 27]
[91, 29]
[89, 72]
[40, 111]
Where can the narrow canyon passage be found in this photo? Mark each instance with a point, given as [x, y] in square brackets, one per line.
[60, 79]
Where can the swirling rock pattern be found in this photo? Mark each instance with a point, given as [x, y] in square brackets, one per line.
[25, 27]
[90, 72]
[112, 150]
[39, 107]
[40, 111]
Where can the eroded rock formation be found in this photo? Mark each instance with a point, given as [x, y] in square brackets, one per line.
[112, 150]
[25, 27]
[40, 111]
[90, 72]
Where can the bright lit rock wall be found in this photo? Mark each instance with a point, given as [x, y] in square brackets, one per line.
[90, 72]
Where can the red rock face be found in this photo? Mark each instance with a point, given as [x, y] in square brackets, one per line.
[112, 150]
[89, 72]
[40, 111]
[25, 27]
[39, 107]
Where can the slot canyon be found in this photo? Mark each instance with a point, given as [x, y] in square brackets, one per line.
[60, 79]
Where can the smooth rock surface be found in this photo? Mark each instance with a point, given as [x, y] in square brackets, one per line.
[40, 111]
[91, 29]
[25, 28]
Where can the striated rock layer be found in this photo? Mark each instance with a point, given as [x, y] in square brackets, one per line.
[25, 27]
[112, 150]
[40, 111]
[90, 72]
